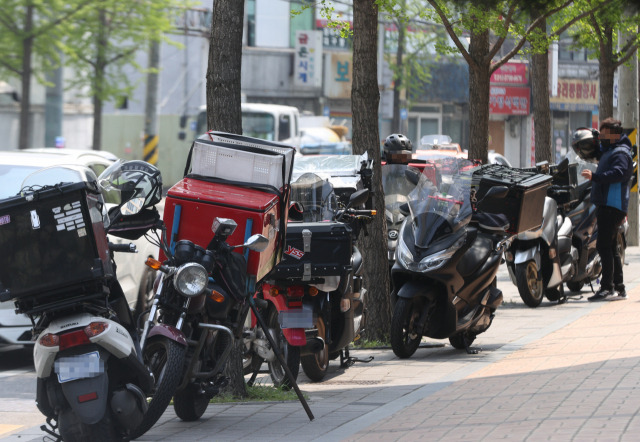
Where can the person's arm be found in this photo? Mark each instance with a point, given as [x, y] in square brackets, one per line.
[617, 171]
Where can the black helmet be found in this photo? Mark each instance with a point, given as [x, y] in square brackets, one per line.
[133, 179]
[397, 143]
[586, 144]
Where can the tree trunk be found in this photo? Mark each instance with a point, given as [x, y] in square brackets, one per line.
[225, 63]
[25, 103]
[224, 114]
[397, 86]
[365, 99]
[100, 66]
[541, 111]
[606, 69]
[479, 80]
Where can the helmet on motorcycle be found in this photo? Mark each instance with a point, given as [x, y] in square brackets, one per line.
[397, 148]
[586, 144]
[133, 179]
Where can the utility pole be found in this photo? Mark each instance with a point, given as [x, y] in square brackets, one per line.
[150, 151]
[628, 115]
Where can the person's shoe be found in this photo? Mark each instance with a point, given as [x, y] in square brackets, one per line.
[600, 295]
[622, 292]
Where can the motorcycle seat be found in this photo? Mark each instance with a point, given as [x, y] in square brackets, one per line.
[496, 222]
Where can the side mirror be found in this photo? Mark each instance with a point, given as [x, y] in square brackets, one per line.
[295, 211]
[562, 166]
[132, 207]
[359, 197]
[257, 243]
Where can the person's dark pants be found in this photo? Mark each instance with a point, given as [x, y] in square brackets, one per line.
[609, 219]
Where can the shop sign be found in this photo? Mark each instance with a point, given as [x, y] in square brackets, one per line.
[338, 75]
[308, 59]
[508, 100]
[510, 73]
[576, 94]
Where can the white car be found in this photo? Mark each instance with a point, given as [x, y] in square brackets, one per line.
[134, 276]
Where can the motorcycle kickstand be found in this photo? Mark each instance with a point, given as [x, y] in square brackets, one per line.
[51, 432]
[348, 361]
[254, 375]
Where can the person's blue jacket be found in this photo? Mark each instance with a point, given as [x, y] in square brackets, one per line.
[610, 181]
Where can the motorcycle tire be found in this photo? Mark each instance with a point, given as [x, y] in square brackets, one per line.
[404, 343]
[190, 403]
[315, 365]
[165, 358]
[72, 429]
[290, 353]
[461, 341]
[250, 363]
[575, 286]
[145, 294]
[529, 283]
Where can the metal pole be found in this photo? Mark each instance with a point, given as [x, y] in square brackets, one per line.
[150, 151]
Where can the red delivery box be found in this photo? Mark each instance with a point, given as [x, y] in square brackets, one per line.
[241, 178]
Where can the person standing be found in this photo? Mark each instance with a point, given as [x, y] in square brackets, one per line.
[610, 195]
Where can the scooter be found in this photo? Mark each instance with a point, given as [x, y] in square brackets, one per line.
[91, 381]
[540, 260]
[448, 255]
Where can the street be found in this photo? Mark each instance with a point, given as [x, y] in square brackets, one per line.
[352, 401]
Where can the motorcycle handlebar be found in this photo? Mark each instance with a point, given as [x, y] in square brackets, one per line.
[126, 248]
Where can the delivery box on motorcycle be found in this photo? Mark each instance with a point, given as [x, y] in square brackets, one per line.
[523, 205]
[237, 177]
[315, 250]
[52, 241]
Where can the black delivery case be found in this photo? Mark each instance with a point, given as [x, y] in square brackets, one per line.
[565, 184]
[315, 250]
[52, 242]
[523, 205]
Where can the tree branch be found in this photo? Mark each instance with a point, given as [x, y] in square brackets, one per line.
[566, 26]
[10, 24]
[627, 56]
[507, 23]
[10, 68]
[47, 27]
[452, 33]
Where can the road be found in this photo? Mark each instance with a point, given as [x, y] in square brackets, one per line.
[349, 399]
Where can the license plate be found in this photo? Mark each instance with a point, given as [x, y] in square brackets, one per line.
[299, 318]
[72, 368]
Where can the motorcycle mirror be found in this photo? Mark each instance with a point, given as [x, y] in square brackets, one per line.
[412, 175]
[359, 197]
[257, 243]
[132, 207]
[295, 211]
[562, 166]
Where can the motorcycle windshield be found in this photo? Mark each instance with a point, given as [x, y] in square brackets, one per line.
[441, 208]
[396, 187]
[316, 197]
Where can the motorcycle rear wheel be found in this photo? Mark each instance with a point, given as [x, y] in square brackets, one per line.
[72, 429]
[404, 340]
[290, 353]
[190, 403]
[529, 284]
[461, 341]
[315, 365]
[165, 358]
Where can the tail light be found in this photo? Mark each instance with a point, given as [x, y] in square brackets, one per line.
[74, 338]
[294, 296]
[49, 340]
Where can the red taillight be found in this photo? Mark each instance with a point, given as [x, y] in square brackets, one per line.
[95, 328]
[73, 339]
[87, 397]
[295, 291]
[49, 340]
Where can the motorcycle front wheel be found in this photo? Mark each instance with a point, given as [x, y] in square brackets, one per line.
[529, 283]
[404, 339]
[315, 365]
[461, 341]
[190, 403]
[165, 359]
[290, 353]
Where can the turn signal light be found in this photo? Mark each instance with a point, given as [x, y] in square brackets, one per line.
[153, 263]
[313, 291]
[95, 328]
[49, 340]
[73, 339]
[273, 291]
[374, 212]
[216, 296]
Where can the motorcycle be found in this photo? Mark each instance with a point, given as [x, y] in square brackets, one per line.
[315, 292]
[448, 255]
[541, 260]
[91, 380]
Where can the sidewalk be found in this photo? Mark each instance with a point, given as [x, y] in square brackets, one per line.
[581, 382]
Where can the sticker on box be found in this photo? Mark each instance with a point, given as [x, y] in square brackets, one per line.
[294, 253]
[5, 219]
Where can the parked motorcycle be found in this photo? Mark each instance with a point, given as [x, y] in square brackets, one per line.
[541, 260]
[91, 380]
[444, 278]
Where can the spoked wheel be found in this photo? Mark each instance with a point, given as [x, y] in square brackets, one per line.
[529, 283]
[404, 338]
[165, 358]
[462, 341]
[190, 403]
[290, 353]
[315, 365]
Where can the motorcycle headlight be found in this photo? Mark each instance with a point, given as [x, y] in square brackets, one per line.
[190, 279]
[431, 262]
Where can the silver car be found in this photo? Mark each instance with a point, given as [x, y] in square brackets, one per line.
[134, 276]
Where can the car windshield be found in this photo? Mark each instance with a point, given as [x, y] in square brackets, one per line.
[442, 208]
[11, 177]
[259, 125]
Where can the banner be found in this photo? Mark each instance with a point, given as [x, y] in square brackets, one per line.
[308, 59]
[509, 100]
[576, 94]
[510, 73]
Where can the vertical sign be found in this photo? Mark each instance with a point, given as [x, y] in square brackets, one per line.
[308, 59]
[533, 142]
